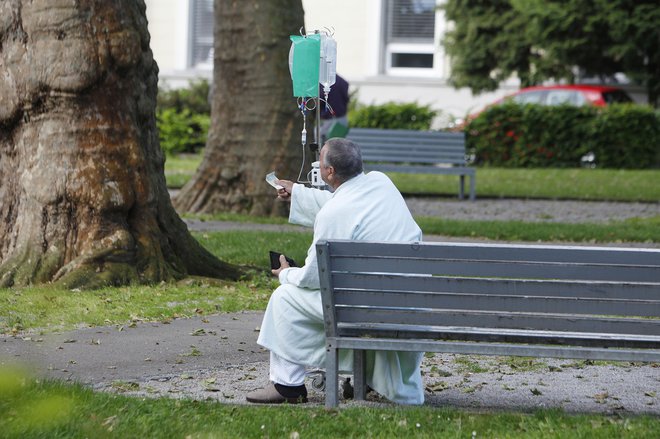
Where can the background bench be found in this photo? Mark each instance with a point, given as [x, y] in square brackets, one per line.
[596, 303]
[415, 152]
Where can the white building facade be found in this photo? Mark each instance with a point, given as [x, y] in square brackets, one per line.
[388, 50]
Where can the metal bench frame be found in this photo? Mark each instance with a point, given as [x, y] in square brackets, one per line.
[598, 303]
[415, 152]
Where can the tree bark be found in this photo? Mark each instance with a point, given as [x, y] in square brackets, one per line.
[255, 124]
[83, 199]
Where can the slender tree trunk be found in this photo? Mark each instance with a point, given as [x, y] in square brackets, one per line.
[83, 199]
[255, 125]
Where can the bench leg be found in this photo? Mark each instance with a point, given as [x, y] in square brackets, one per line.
[331, 377]
[461, 187]
[473, 186]
[359, 375]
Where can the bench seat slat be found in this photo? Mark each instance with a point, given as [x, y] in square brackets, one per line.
[593, 353]
[410, 169]
[484, 302]
[492, 335]
[422, 163]
[422, 150]
[380, 133]
[514, 269]
[405, 141]
[523, 287]
[506, 320]
[414, 150]
[493, 252]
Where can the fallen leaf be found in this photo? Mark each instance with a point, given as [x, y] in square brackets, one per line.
[438, 387]
[601, 397]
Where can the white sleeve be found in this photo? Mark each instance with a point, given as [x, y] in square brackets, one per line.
[306, 203]
[307, 276]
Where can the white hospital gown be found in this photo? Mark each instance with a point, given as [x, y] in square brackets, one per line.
[366, 208]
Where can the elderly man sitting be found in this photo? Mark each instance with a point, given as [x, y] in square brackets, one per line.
[365, 207]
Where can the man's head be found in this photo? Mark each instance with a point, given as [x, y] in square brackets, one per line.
[340, 161]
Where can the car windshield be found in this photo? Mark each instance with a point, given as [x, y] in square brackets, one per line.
[528, 97]
[561, 97]
[616, 96]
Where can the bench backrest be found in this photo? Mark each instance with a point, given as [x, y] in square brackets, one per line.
[496, 292]
[409, 146]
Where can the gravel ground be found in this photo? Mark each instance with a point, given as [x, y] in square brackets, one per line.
[216, 358]
[531, 210]
[573, 386]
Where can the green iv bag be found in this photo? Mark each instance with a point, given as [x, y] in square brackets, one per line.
[304, 58]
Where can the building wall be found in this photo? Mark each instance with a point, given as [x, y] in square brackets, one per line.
[168, 26]
[357, 33]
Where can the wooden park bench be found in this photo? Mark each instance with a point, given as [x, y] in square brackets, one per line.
[598, 303]
[415, 152]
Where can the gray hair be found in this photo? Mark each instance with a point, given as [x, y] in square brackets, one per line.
[345, 156]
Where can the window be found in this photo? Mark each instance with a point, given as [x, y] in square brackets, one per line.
[410, 36]
[529, 97]
[561, 97]
[201, 34]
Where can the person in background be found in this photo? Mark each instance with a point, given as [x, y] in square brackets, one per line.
[338, 99]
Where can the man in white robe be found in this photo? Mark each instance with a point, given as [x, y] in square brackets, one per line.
[365, 207]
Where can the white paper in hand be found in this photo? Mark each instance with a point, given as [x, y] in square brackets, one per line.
[270, 178]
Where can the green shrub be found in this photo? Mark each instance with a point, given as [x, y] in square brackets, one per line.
[511, 135]
[626, 136]
[194, 98]
[183, 117]
[391, 115]
[182, 132]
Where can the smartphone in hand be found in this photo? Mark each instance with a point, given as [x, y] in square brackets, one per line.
[275, 260]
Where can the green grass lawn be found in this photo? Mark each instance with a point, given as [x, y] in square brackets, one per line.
[179, 168]
[34, 409]
[577, 184]
[560, 184]
[45, 308]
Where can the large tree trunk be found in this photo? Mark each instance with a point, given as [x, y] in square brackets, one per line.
[83, 199]
[255, 125]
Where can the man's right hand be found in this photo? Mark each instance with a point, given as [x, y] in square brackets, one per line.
[285, 193]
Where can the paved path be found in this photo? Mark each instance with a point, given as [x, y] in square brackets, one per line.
[216, 358]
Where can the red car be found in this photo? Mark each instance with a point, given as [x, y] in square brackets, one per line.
[577, 95]
[596, 95]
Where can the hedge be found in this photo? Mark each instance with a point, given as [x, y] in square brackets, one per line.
[619, 136]
[392, 115]
[183, 117]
